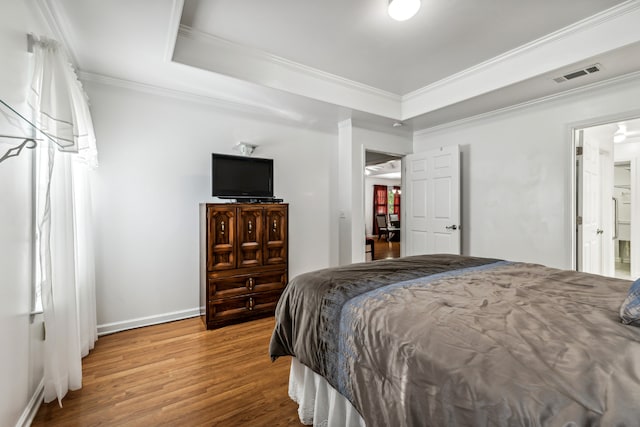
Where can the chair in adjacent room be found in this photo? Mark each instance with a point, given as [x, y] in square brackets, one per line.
[369, 248]
[393, 228]
[383, 228]
[394, 220]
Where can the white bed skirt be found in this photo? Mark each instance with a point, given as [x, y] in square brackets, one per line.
[319, 404]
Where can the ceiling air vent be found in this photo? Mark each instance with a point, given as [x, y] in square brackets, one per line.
[579, 73]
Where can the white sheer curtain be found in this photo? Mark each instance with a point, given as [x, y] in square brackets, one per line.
[64, 220]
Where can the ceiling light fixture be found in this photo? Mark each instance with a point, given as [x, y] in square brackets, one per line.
[244, 148]
[619, 138]
[401, 10]
[621, 133]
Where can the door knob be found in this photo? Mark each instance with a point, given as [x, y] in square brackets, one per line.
[599, 231]
[451, 227]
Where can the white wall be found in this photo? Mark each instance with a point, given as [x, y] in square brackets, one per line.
[21, 363]
[369, 182]
[345, 191]
[517, 172]
[155, 159]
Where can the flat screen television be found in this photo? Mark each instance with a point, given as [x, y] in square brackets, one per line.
[239, 177]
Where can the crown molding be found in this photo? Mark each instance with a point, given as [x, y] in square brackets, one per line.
[557, 96]
[174, 28]
[577, 27]
[262, 56]
[170, 93]
[214, 54]
[55, 21]
[222, 105]
[600, 33]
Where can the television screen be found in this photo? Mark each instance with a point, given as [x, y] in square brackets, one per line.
[241, 177]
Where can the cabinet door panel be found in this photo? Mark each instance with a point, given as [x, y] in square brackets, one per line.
[250, 223]
[220, 238]
[275, 251]
[244, 306]
[226, 287]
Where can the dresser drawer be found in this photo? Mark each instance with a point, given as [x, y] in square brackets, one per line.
[240, 285]
[230, 309]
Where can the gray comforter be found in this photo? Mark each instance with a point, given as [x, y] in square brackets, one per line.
[442, 340]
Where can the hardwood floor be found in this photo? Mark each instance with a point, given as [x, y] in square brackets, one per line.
[384, 249]
[179, 374]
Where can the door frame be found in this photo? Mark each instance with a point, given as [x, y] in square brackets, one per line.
[572, 177]
[401, 157]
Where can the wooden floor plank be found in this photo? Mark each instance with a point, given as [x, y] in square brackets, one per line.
[178, 373]
[384, 249]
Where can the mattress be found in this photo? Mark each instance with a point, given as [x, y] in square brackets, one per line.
[449, 340]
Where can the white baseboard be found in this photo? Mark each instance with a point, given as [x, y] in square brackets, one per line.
[110, 328]
[32, 407]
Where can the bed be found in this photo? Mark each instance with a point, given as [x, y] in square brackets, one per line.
[446, 340]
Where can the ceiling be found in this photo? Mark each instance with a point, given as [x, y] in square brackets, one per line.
[381, 165]
[358, 41]
[318, 62]
[391, 169]
[376, 158]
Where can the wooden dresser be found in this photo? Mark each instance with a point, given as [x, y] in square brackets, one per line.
[243, 260]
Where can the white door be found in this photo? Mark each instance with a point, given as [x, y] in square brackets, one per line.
[433, 202]
[589, 189]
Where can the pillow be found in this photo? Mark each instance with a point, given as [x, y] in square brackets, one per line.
[630, 309]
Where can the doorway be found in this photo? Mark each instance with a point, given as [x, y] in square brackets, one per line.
[608, 192]
[382, 201]
[622, 219]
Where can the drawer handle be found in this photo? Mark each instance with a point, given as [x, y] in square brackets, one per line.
[250, 304]
[250, 283]
[221, 227]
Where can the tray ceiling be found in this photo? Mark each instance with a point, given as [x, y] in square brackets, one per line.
[316, 63]
[358, 41]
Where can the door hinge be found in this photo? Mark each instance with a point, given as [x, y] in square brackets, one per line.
[578, 151]
[579, 220]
